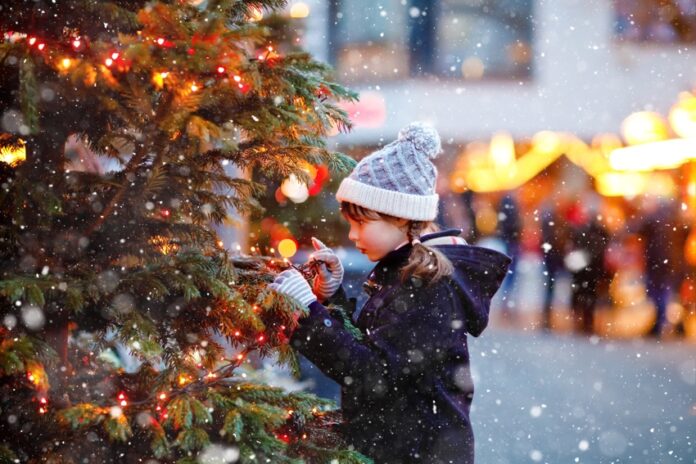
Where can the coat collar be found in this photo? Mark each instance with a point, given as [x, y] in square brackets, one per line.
[386, 268]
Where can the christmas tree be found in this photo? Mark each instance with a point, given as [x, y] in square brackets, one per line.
[176, 97]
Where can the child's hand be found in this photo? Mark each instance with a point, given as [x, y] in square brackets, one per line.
[291, 283]
[329, 270]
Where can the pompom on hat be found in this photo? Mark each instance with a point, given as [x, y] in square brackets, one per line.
[399, 179]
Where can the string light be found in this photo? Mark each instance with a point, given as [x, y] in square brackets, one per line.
[76, 44]
[237, 78]
[194, 87]
[32, 40]
[221, 70]
[122, 399]
[163, 396]
[41, 46]
[160, 41]
[66, 63]
[44, 405]
[108, 62]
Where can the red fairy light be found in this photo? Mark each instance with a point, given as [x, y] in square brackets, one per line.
[240, 356]
[43, 400]
[41, 46]
[76, 44]
[237, 78]
[122, 400]
[236, 333]
[114, 55]
[42, 410]
[191, 51]
[220, 70]
[163, 396]
[108, 62]
[160, 41]
[32, 40]
[165, 213]
[30, 376]
[261, 338]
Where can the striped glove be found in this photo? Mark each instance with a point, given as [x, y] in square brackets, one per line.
[291, 283]
[329, 274]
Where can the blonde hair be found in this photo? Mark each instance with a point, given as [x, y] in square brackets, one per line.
[425, 264]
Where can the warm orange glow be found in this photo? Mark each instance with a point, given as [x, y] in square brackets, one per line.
[668, 154]
[158, 79]
[287, 248]
[644, 127]
[690, 249]
[65, 63]
[299, 10]
[682, 116]
[255, 14]
[164, 244]
[502, 150]
[13, 155]
[184, 379]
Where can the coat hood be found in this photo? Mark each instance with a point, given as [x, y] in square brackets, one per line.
[478, 272]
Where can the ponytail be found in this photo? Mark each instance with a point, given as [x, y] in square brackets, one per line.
[425, 264]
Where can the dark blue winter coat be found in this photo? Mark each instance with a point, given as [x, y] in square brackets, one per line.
[406, 387]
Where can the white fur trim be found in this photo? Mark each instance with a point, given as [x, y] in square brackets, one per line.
[399, 204]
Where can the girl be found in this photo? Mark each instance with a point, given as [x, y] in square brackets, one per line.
[406, 388]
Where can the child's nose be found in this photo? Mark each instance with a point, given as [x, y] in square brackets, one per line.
[353, 235]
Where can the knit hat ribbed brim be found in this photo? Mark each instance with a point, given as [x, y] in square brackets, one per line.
[399, 179]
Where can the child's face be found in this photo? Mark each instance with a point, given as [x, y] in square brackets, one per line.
[375, 238]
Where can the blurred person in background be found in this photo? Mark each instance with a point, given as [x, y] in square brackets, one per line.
[509, 230]
[554, 237]
[658, 230]
[585, 261]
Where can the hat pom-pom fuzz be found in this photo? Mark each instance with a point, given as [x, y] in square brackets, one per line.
[424, 137]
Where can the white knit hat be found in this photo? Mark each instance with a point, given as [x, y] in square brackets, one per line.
[398, 179]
